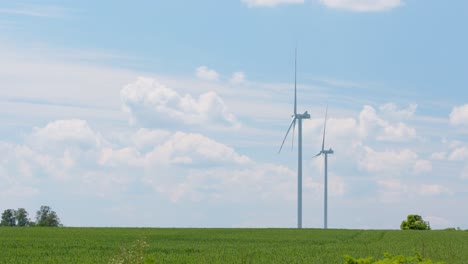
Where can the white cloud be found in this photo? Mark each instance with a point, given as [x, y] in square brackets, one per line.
[270, 3]
[459, 115]
[153, 104]
[365, 129]
[149, 138]
[397, 132]
[74, 132]
[106, 170]
[238, 78]
[125, 156]
[204, 73]
[390, 162]
[362, 5]
[392, 110]
[370, 123]
[460, 153]
[195, 149]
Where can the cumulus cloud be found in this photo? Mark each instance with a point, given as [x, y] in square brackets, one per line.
[367, 127]
[460, 153]
[393, 162]
[149, 138]
[205, 73]
[57, 148]
[370, 122]
[167, 160]
[391, 109]
[238, 78]
[269, 3]
[152, 104]
[196, 149]
[362, 5]
[459, 115]
[114, 157]
[397, 132]
[74, 132]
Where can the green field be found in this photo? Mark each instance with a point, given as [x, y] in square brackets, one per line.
[100, 245]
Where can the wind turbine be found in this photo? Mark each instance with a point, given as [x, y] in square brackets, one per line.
[325, 152]
[297, 117]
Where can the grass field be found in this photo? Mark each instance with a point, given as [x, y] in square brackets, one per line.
[100, 245]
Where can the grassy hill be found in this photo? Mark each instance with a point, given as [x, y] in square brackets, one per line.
[100, 245]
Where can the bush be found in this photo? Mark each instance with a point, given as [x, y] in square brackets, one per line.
[415, 222]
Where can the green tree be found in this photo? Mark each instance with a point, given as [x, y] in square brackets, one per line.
[22, 217]
[8, 218]
[414, 222]
[46, 217]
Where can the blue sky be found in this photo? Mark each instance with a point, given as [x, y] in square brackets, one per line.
[170, 113]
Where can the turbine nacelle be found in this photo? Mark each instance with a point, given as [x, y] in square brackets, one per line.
[329, 151]
[305, 115]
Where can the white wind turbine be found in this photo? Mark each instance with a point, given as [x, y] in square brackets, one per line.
[297, 117]
[325, 152]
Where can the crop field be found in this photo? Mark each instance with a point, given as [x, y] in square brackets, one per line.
[107, 245]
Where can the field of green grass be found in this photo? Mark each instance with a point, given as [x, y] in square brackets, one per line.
[100, 245]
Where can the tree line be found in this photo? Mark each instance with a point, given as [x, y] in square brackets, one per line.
[45, 216]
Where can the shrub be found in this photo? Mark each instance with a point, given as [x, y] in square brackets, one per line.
[415, 222]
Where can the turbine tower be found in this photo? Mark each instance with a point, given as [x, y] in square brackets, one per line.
[325, 153]
[297, 117]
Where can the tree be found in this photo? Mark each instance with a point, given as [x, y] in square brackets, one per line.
[46, 217]
[8, 218]
[414, 222]
[22, 217]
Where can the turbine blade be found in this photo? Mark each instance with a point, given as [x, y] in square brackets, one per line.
[324, 128]
[293, 133]
[295, 81]
[287, 132]
[320, 153]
